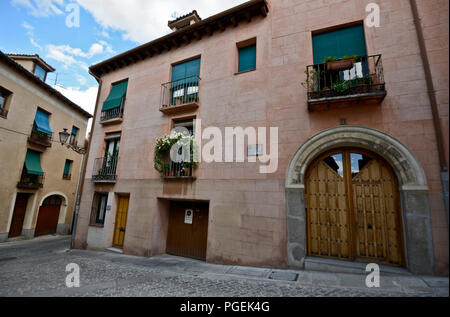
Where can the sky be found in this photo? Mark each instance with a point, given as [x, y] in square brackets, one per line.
[105, 28]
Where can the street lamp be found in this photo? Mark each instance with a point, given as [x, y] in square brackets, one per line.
[63, 136]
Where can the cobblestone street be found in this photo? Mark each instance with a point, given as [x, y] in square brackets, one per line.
[37, 268]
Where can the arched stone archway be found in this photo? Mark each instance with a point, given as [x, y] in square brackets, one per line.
[413, 191]
[62, 228]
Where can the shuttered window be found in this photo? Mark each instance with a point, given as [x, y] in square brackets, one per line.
[339, 43]
[42, 122]
[67, 167]
[185, 72]
[247, 58]
[33, 163]
[116, 96]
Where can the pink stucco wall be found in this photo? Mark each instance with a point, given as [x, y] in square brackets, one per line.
[247, 209]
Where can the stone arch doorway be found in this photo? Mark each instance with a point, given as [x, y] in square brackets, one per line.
[47, 222]
[412, 188]
[353, 208]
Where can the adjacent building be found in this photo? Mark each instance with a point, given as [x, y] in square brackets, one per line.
[362, 118]
[39, 176]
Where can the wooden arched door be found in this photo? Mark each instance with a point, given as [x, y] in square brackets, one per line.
[353, 208]
[48, 216]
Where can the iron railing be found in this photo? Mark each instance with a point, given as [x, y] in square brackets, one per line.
[105, 169]
[29, 181]
[177, 170]
[361, 75]
[180, 92]
[116, 113]
[40, 138]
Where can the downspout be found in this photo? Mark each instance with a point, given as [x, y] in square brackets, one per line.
[85, 160]
[433, 103]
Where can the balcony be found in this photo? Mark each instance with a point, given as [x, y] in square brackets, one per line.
[180, 96]
[29, 181]
[174, 170]
[113, 116]
[40, 138]
[105, 170]
[345, 83]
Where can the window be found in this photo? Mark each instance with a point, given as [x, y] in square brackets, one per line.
[73, 136]
[40, 72]
[184, 126]
[4, 101]
[185, 82]
[42, 123]
[116, 99]
[347, 41]
[247, 55]
[67, 170]
[99, 207]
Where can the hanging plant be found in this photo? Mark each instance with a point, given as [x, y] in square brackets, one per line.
[165, 144]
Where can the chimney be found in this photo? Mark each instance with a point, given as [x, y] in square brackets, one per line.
[184, 21]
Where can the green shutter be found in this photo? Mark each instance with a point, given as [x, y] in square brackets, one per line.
[247, 58]
[33, 163]
[115, 97]
[184, 70]
[74, 131]
[67, 167]
[339, 43]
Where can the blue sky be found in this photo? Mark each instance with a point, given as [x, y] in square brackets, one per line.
[106, 28]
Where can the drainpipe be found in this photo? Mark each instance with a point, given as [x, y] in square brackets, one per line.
[84, 165]
[433, 103]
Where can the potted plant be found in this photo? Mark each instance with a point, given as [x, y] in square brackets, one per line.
[346, 62]
[341, 86]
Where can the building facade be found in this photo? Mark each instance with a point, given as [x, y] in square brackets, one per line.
[361, 166]
[39, 176]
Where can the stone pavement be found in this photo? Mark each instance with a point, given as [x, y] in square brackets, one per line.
[38, 268]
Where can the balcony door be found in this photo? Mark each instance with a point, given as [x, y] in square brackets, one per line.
[185, 82]
[353, 209]
[112, 153]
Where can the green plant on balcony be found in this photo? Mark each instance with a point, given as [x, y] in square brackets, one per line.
[312, 78]
[341, 86]
[165, 144]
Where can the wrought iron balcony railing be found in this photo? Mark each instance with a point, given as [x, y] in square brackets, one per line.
[180, 93]
[105, 169]
[360, 78]
[29, 181]
[40, 138]
[113, 114]
[177, 170]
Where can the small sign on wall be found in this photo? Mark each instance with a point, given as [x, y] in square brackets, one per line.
[108, 208]
[255, 150]
[188, 216]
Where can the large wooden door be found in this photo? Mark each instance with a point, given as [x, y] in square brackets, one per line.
[48, 216]
[20, 209]
[186, 239]
[353, 210]
[121, 222]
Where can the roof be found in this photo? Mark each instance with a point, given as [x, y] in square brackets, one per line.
[219, 22]
[180, 23]
[18, 68]
[36, 58]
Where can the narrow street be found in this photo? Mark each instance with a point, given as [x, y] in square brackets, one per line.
[38, 268]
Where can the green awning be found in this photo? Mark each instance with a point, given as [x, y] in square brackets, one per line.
[33, 163]
[116, 96]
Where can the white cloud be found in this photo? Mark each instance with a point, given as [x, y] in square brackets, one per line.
[84, 98]
[59, 53]
[30, 33]
[143, 20]
[40, 8]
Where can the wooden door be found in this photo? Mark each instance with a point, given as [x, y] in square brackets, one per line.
[48, 216]
[185, 239]
[121, 222]
[353, 211]
[20, 209]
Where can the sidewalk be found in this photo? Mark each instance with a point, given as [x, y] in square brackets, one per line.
[389, 282]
